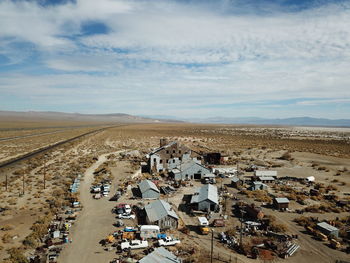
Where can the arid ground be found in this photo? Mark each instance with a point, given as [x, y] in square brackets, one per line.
[36, 189]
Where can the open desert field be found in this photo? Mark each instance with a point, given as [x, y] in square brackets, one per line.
[36, 193]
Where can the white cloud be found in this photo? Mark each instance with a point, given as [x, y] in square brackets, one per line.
[180, 56]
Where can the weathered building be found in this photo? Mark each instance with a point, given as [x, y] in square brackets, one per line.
[328, 229]
[169, 156]
[148, 190]
[281, 203]
[161, 213]
[206, 198]
[258, 186]
[189, 170]
[160, 255]
[254, 212]
[236, 182]
[265, 173]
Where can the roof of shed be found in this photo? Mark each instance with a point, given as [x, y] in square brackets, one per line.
[206, 192]
[160, 255]
[158, 210]
[145, 185]
[282, 200]
[327, 226]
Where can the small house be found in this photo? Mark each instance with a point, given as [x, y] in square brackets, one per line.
[328, 229]
[254, 212]
[236, 182]
[149, 231]
[206, 198]
[160, 254]
[148, 190]
[258, 186]
[161, 213]
[281, 203]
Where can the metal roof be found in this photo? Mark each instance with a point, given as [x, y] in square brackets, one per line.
[206, 192]
[266, 178]
[158, 210]
[160, 255]
[327, 226]
[161, 148]
[235, 179]
[282, 200]
[265, 173]
[145, 185]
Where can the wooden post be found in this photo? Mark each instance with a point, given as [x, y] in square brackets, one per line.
[44, 176]
[212, 246]
[23, 184]
[6, 183]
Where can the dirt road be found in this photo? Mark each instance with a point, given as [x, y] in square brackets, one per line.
[93, 224]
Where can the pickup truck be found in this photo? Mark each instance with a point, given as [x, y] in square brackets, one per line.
[133, 244]
[168, 241]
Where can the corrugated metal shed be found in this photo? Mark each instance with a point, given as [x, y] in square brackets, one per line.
[327, 226]
[235, 179]
[160, 255]
[146, 185]
[265, 173]
[206, 192]
[158, 210]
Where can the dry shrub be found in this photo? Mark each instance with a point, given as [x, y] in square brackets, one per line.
[305, 221]
[6, 238]
[16, 256]
[7, 227]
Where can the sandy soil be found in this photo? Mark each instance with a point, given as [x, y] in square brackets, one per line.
[95, 221]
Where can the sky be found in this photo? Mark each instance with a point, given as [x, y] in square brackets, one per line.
[185, 58]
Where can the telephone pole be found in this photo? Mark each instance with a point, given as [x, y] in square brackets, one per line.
[23, 185]
[44, 176]
[212, 246]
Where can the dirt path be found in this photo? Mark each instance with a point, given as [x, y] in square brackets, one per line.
[93, 224]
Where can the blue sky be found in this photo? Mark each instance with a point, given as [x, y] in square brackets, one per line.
[231, 58]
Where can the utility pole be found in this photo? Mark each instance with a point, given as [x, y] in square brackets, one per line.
[212, 246]
[241, 232]
[44, 176]
[23, 184]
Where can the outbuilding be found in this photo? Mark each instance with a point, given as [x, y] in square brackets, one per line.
[189, 170]
[236, 182]
[265, 173]
[328, 229]
[281, 203]
[258, 186]
[160, 254]
[148, 190]
[161, 213]
[206, 198]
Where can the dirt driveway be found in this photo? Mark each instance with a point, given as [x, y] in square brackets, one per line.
[94, 223]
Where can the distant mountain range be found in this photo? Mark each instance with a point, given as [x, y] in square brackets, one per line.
[127, 118]
[62, 116]
[297, 121]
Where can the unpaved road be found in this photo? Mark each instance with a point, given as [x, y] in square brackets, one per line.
[94, 223]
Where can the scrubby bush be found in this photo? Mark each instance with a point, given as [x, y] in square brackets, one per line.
[16, 256]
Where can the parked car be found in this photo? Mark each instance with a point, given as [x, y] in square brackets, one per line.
[127, 209]
[168, 241]
[133, 244]
[126, 216]
[129, 229]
